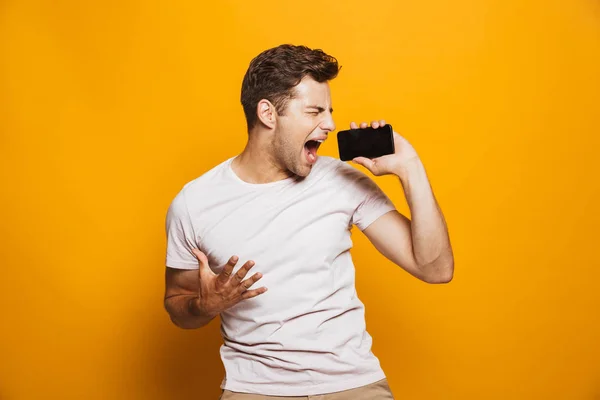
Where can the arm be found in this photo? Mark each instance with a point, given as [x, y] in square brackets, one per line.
[421, 246]
[194, 294]
[194, 297]
[181, 288]
[182, 276]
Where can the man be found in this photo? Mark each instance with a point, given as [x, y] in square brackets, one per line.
[281, 208]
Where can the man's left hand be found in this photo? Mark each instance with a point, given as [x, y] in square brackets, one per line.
[403, 159]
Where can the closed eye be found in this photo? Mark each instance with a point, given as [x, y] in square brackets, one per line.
[319, 110]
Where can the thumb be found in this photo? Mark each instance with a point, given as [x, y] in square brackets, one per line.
[202, 259]
[365, 162]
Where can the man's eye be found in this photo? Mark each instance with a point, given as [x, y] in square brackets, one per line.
[314, 113]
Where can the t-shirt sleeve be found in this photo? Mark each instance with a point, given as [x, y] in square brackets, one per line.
[369, 200]
[180, 235]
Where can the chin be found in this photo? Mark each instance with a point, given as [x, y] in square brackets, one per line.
[301, 169]
[306, 173]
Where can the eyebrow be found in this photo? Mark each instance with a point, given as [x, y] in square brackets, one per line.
[320, 109]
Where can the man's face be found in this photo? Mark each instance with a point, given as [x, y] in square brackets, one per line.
[305, 121]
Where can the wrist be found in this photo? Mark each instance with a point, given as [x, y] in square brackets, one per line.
[195, 308]
[409, 169]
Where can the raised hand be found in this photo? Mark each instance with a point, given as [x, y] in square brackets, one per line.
[217, 293]
[403, 158]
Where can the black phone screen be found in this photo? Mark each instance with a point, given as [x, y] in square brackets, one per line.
[367, 142]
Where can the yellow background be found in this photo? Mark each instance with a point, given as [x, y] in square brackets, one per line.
[108, 108]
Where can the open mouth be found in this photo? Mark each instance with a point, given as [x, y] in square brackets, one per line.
[310, 149]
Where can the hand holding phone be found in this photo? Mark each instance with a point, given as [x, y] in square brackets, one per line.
[366, 142]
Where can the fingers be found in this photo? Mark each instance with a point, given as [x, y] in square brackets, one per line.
[236, 280]
[247, 284]
[363, 125]
[253, 293]
[227, 270]
[377, 124]
[241, 274]
[224, 290]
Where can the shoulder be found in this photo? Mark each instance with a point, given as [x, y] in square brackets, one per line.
[333, 167]
[344, 178]
[205, 179]
[193, 189]
[341, 171]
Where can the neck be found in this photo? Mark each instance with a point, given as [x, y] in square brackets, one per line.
[256, 163]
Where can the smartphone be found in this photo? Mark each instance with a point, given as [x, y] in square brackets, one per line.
[368, 142]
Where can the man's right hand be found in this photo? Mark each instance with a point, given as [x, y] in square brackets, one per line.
[217, 293]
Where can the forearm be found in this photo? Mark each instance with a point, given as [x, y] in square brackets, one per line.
[431, 244]
[184, 313]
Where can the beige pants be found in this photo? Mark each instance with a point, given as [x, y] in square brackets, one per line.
[379, 390]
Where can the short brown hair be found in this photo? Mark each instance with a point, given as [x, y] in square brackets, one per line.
[273, 74]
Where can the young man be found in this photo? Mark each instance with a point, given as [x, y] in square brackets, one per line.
[283, 211]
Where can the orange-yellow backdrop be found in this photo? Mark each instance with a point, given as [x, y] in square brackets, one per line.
[108, 108]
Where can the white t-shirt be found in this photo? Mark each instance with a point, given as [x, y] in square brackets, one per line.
[306, 335]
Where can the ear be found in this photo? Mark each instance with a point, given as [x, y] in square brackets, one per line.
[266, 112]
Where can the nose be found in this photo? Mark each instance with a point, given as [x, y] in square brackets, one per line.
[328, 124]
